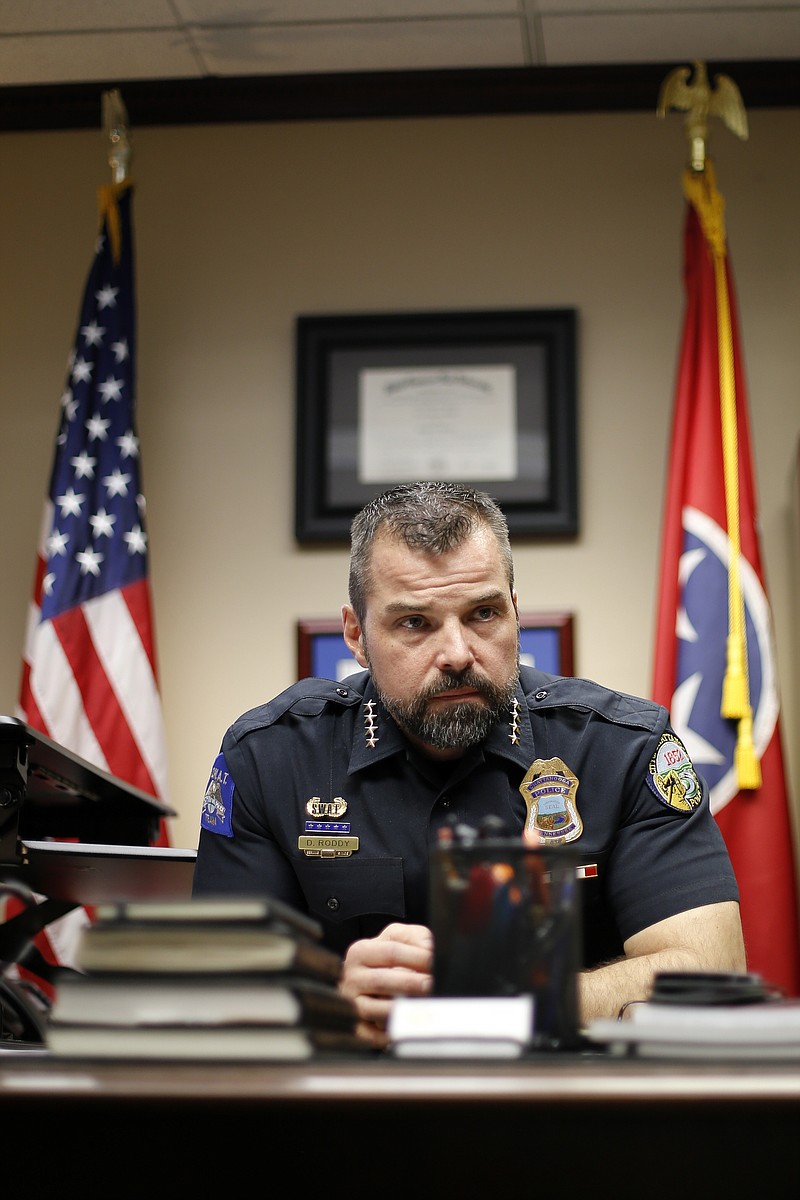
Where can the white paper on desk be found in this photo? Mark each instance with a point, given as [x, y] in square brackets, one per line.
[452, 1018]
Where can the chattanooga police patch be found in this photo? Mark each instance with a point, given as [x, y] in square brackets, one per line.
[218, 800]
[671, 775]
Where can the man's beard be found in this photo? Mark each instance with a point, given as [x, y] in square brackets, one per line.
[456, 725]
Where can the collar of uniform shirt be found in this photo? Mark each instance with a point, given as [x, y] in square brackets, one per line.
[389, 740]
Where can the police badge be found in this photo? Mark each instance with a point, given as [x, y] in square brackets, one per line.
[548, 790]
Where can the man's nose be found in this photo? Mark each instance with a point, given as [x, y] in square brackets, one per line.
[455, 652]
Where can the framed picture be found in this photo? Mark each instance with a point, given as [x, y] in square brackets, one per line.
[481, 398]
[546, 642]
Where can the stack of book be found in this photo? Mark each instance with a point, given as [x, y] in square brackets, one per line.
[767, 1030]
[237, 980]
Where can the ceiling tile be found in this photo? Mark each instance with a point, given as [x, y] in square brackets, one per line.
[55, 16]
[257, 12]
[84, 57]
[666, 37]
[389, 46]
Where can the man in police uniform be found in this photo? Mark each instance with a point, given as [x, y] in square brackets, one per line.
[331, 795]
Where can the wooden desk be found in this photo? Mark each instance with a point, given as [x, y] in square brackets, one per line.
[572, 1124]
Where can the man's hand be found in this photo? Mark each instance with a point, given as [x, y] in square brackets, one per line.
[398, 962]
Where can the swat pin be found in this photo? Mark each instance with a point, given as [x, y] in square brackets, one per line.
[327, 836]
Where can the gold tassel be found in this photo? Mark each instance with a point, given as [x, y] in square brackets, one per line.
[748, 768]
[108, 196]
[702, 192]
[735, 700]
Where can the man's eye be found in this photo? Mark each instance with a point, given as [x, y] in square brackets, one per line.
[484, 614]
[412, 622]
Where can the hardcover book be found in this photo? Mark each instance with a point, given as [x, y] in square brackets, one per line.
[244, 910]
[231, 1043]
[268, 998]
[205, 937]
[761, 1030]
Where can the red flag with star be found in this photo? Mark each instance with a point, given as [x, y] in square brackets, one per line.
[715, 666]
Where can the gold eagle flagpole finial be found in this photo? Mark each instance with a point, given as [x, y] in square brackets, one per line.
[115, 124]
[700, 101]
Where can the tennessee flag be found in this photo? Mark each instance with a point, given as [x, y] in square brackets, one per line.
[715, 666]
[89, 678]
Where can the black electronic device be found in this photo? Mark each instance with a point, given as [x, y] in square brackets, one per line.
[47, 792]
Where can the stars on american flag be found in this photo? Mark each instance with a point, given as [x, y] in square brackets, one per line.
[97, 428]
[89, 677]
[111, 389]
[93, 333]
[97, 541]
[106, 297]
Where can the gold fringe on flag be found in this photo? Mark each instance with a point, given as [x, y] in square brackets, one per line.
[108, 196]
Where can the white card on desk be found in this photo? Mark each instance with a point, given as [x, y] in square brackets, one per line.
[461, 1026]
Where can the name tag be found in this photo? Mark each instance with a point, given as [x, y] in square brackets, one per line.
[318, 845]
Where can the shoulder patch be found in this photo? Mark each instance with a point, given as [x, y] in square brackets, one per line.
[218, 800]
[671, 776]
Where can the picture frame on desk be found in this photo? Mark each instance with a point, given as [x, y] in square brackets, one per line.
[484, 398]
[546, 641]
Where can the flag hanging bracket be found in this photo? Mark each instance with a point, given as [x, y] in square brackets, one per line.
[700, 101]
[115, 124]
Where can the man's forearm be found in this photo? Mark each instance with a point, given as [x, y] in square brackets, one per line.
[702, 939]
[603, 990]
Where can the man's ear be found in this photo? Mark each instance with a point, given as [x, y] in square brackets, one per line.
[352, 635]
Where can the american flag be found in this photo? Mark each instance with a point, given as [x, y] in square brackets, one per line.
[89, 678]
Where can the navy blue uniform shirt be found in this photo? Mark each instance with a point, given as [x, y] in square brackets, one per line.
[323, 764]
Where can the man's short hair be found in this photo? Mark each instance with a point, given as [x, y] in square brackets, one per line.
[431, 516]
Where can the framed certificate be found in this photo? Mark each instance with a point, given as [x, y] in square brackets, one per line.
[481, 398]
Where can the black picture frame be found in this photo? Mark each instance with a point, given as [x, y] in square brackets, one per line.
[546, 641]
[531, 352]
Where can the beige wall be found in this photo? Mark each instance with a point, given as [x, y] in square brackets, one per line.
[241, 228]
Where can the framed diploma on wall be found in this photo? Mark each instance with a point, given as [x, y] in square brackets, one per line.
[545, 641]
[487, 399]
